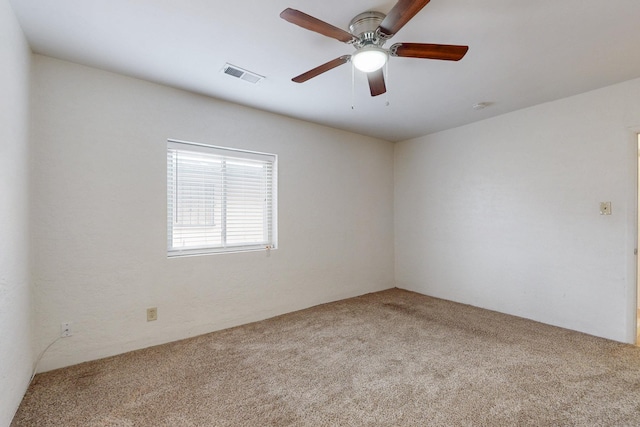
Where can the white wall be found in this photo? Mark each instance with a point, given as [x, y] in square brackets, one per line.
[15, 326]
[99, 215]
[504, 213]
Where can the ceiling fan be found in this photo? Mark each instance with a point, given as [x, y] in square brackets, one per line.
[368, 32]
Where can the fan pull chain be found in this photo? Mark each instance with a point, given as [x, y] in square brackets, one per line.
[353, 84]
[386, 94]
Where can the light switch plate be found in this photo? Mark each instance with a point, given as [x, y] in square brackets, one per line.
[605, 208]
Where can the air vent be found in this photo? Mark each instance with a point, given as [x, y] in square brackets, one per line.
[242, 74]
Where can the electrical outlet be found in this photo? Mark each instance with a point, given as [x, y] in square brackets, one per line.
[65, 329]
[152, 314]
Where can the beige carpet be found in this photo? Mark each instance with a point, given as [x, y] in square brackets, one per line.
[638, 328]
[393, 358]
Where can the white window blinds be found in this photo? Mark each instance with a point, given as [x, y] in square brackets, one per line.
[219, 199]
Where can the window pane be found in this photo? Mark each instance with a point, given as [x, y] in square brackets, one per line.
[218, 201]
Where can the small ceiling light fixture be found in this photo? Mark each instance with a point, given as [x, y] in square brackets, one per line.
[369, 58]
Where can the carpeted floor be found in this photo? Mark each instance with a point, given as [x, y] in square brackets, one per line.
[392, 358]
[638, 328]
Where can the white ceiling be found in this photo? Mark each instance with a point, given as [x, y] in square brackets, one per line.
[521, 53]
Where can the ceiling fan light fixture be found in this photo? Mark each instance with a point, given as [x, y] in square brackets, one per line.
[369, 58]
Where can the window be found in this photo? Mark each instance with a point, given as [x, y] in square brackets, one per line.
[219, 199]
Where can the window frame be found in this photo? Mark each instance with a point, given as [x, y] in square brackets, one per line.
[223, 153]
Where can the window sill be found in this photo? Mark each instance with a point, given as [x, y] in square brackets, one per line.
[202, 252]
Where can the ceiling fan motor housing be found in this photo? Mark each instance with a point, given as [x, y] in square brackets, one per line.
[368, 33]
[364, 26]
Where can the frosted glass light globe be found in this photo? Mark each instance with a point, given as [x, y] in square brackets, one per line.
[369, 59]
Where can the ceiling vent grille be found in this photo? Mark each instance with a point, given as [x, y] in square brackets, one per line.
[242, 74]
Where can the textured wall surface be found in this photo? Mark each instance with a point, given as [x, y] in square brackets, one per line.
[99, 215]
[15, 323]
[504, 213]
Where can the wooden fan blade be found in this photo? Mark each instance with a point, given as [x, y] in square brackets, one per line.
[321, 69]
[445, 52]
[376, 82]
[399, 15]
[314, 24]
